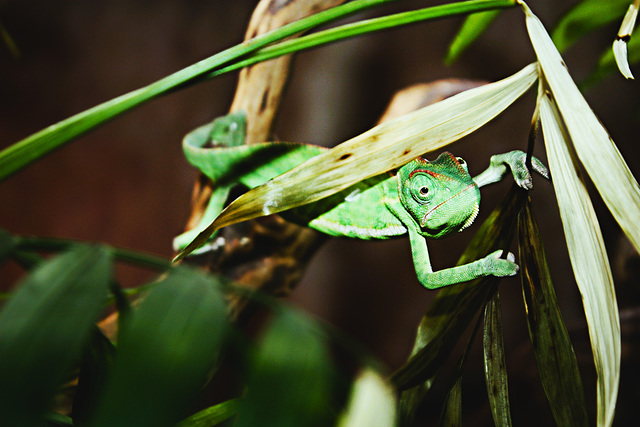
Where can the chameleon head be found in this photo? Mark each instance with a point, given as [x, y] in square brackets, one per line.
[441, 196]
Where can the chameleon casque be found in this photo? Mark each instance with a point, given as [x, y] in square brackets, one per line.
[424, 199]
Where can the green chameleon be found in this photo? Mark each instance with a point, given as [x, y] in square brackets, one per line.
[423, 199]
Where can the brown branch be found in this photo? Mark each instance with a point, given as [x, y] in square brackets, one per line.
[267, 254]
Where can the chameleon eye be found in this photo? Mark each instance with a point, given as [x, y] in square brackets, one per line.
[461, 161]
[424, 190]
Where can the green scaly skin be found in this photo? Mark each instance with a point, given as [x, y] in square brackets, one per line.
[424, 199]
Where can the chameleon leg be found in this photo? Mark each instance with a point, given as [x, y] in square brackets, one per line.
[491, 265]
[516, 161]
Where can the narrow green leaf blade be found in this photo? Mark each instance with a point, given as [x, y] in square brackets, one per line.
[44, 326]
[473, 26]
[556, 360]
[589, 259]
[35, 146]
[213, 415]
[451, 312]
[495, 366]
[288, 384]
[586, 17]
[452, 410]
[380, 149]
[165, 352]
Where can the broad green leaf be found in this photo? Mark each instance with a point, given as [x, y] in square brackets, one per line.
[212, 416]
[165, 351]
[588, 258]
[557, 364]
[474, 25]
[372, 402]
[495, 368]
[454, 307]
[380, 149]
[585, 17]
[289, 382]
[44, 326]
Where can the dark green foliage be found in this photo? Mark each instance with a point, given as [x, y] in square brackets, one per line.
[552, 347]
[495, 367]
[288, 383]
[164, 353]
[44, 326]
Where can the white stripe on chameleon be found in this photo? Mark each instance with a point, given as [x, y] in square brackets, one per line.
[394, 230]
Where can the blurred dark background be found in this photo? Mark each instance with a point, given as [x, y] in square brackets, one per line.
[128, 184]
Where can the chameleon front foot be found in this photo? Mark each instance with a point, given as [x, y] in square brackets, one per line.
[516, 162]
[493, 265]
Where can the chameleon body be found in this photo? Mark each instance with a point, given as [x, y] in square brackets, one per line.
[424, 199]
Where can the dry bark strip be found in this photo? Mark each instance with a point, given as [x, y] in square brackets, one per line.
[268, 254]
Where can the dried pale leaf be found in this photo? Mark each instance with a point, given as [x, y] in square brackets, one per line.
[382, 148]
[620, 43]
[594, 147]
[588, 259]
[622, 60]
[372, 402]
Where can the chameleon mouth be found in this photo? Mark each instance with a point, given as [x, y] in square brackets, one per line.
[426, 216]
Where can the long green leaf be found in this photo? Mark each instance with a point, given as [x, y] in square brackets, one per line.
[473, 26]
[288, 384]
[367, 26]
[495, 368]
[43, 328]
[212, 416]
[165, 352]
[249, 52]
[557, 364]
[382, 148]
[37, 145]
[588, 259]
[586, 17]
